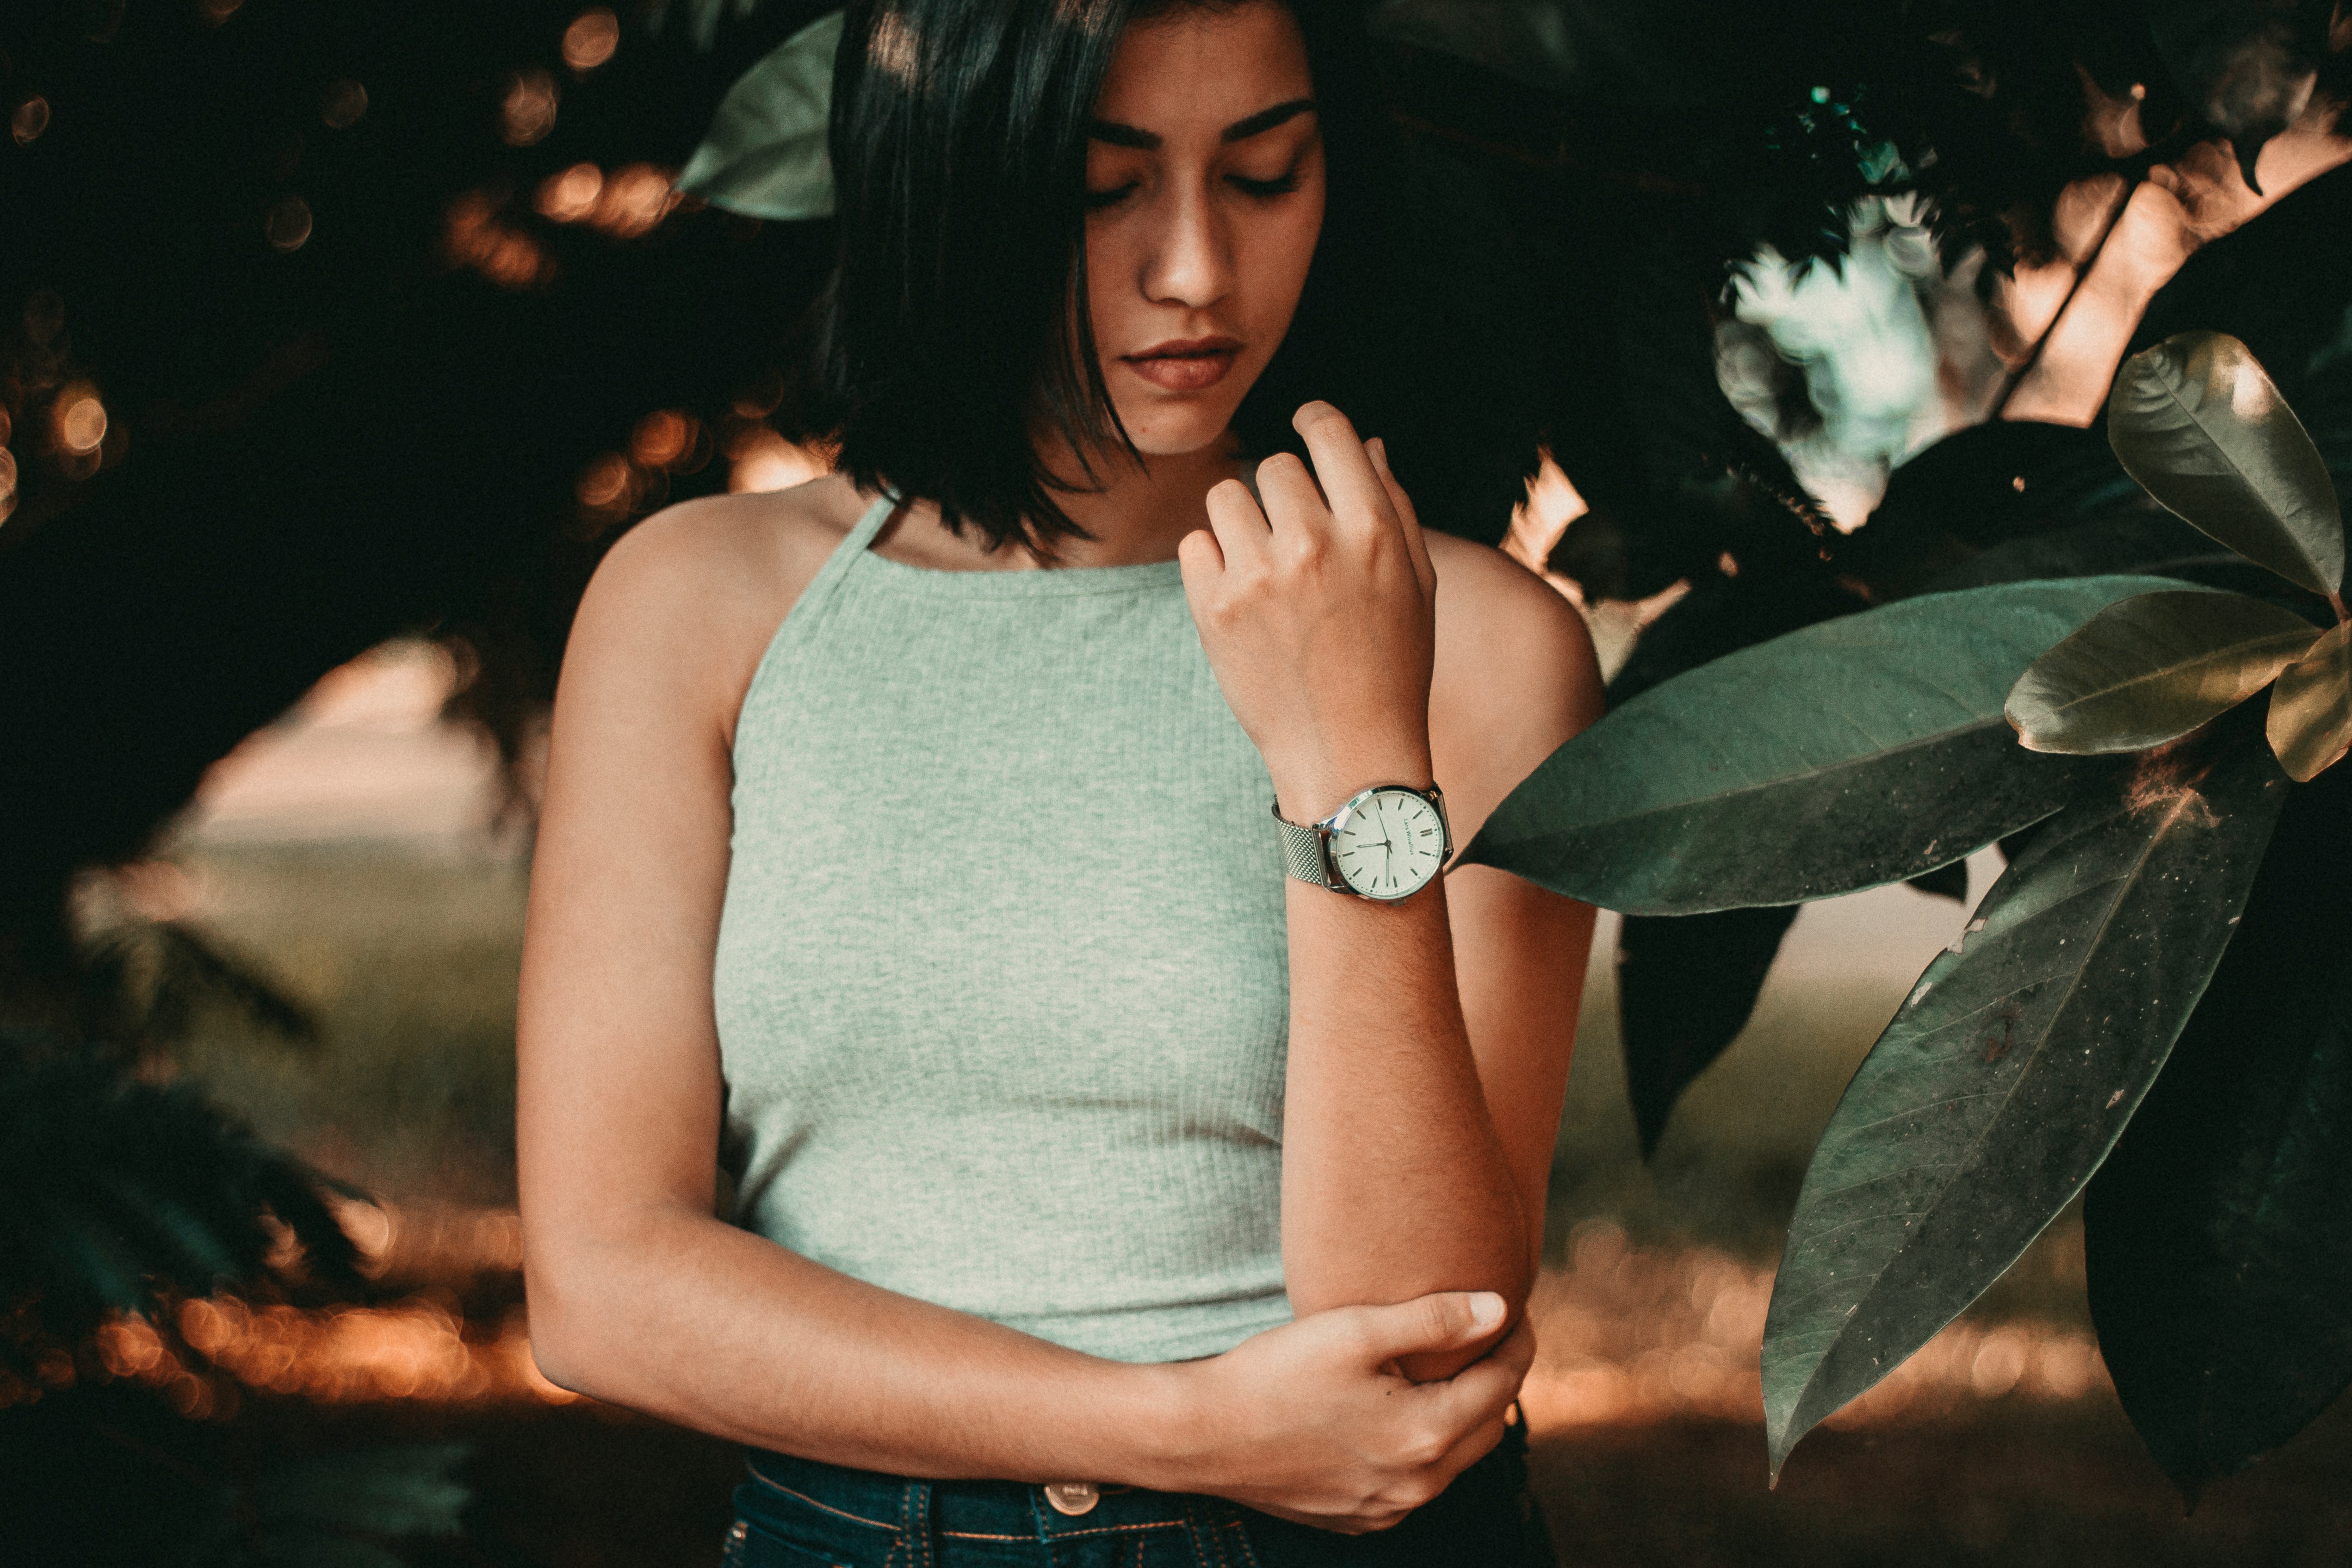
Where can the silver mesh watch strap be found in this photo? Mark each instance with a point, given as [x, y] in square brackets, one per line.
[1302, 851]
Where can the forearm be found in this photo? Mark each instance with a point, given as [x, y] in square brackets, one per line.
[683, 1317]
[1394, 1182]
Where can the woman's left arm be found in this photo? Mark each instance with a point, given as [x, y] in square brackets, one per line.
[1429, 1037]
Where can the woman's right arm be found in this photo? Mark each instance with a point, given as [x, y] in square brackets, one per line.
[640, 1296]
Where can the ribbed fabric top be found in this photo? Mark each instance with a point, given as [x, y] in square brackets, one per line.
[1002, 983]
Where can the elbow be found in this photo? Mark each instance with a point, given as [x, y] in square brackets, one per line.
[570, 1306]
[554, 1342]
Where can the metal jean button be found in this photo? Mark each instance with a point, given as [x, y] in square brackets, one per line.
[1073, 1497]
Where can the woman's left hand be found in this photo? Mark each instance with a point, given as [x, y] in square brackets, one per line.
[1319, 616]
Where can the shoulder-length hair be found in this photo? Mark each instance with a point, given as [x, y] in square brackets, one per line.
[958, 141]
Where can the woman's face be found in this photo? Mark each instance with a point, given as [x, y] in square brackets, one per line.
[1204, 191]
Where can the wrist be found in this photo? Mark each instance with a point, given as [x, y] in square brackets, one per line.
[1160, 1443]
[1309, 789]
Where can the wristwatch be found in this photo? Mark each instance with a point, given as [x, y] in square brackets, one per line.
[1389, 842]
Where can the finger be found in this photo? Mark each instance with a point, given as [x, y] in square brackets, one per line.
[1484, 1389]
[1202, 560]
[1239, 527]
[1408, 518]
[1294, 503]
[1474, 1445]
[1357, 497]
[1519, 1349]
[1446, 1320]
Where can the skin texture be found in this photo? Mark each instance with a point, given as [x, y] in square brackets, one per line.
[1420, 1116]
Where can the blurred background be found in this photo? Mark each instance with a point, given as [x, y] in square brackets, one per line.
[340, 338]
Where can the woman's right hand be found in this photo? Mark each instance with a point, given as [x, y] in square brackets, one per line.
[1312, 1422]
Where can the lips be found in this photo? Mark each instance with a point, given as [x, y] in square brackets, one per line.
[1186, 364]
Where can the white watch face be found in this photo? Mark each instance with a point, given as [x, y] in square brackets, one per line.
[1391, 845]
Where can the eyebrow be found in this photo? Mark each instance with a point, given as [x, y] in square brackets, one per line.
[1257, 124]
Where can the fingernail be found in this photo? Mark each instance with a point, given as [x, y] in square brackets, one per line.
[1485, 1309]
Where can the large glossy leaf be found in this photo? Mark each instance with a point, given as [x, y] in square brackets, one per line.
[1685, 986]
[2311, 710]
[765, 154]
[2218, 1234]
[1861, 750]
[2149, 670]
[2195, 421]
[2009, 1071]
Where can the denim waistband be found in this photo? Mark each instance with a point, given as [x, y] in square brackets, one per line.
[1486, 1516]
[983, 1510]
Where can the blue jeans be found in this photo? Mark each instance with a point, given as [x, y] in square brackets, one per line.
[798, 1513]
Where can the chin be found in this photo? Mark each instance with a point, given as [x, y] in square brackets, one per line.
[1178, 433]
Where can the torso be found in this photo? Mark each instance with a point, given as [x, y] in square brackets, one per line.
[1003, 1014]
[756, 559]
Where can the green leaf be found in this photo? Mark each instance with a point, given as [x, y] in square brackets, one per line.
[2311, 710]
[765, 154]
[2218, 1234]
[1685, 987]
[1863, 749]
[2195, 421]
[2009, 1071]
[2150, 669]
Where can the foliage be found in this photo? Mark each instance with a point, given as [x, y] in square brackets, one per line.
[123, 1195]
[765, 154]
[2009, 1071]
[1848, 732]
[2149, 670]
[2218, 1234]
[2195, 421]
[1852, 752]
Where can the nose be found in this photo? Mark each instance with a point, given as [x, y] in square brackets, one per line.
[1192, 262]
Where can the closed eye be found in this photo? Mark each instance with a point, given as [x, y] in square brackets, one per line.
[1097, 200]
[1281, 184]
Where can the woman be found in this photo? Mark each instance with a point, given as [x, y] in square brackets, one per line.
[907, 849]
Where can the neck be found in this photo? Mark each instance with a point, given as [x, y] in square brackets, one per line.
[1138, 514]
[1144, 508]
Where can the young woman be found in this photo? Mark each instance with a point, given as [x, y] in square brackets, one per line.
[1101, 1193]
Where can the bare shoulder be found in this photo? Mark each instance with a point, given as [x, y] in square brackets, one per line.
[1516, 675]
[698, 590]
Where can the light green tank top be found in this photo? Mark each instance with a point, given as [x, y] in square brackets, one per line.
[1002, 983]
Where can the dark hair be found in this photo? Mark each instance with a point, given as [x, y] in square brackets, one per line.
[959, 146]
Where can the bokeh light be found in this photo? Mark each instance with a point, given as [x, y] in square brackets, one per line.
[665, 439]
[1638, 1335]
[527, 113]
[636, 196]
[32, 118]
[569, 196]
[287, 224]
[590, 39]
[343, 103]
[475, 235]
[609, 487]
[80, 420]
